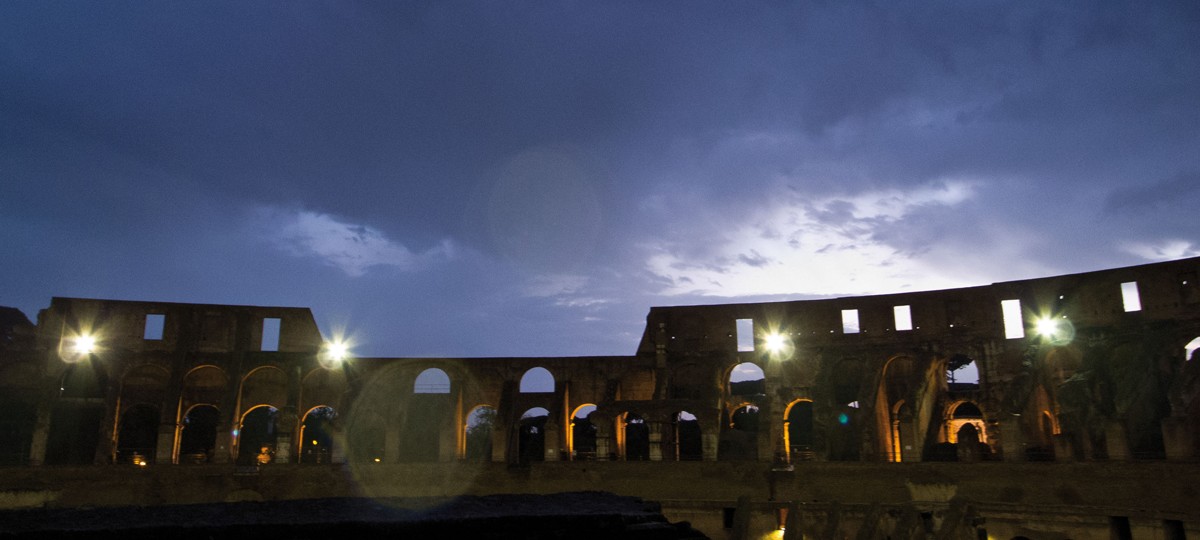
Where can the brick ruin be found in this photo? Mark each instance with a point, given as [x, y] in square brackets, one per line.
[915, 395]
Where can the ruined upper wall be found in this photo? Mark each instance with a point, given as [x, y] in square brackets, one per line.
[1166, 291]
[166, 326]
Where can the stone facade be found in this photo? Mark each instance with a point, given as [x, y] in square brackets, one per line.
[1083, 368]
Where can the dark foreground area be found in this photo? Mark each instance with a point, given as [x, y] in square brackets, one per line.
[564, 515]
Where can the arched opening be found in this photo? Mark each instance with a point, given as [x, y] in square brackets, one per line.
[137, 437]
[316, 435]
[637, 437]
[76, 418]
[962, 373]
[481, 421]
[740, 441]
[203, 387]
[583, 434]
[267, 385]
[962, 414]
[745, 418]
[900, 412]
[747, 379]
[531, 433]
[798, 429]
[537, 380]
[428, 418]
[432, 381]
[256, 435]
[686, 435]
[1189, 350]
[198, 437]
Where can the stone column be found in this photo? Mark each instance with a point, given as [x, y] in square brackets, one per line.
[1178, 436]
[165, 452]
[1116, 441]
[603, 439]
[656, 440]
[1063, 450]
[41, 432]
[1012, 440]
[910, 448]
[552, 441]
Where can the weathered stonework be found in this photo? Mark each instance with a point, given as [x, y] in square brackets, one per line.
[856, 380]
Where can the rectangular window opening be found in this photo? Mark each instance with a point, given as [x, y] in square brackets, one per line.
[850, 321]
[1130, 297]
[270, 335]
[1014, 322]
[1119, 528]
[903, 318]
[154, 326]
[745, 335]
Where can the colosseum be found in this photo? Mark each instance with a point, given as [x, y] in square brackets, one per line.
[1057, 407]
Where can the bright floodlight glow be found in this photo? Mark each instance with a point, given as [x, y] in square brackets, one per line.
[85, 344]
[337, 350]
[1047, 327]
[775, 342]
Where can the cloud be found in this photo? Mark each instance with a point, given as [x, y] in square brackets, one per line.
[831, 245]
[348, 247]
[1165, 193]
[1163, 250]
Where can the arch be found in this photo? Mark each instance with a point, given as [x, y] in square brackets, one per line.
[78, 416]
[137, 437]
[537, 380]
[962, 372]
[1189, 350]
[798, 430]
[636, 437]
[143, 384]
[582, 442]
[480, 424]
[323, 386]
[744, 418]
[432, 381]
[686, 437]
[198, 433]
[316, 435]
[898, 431]
[256, 435]
[265, 385]
[746, 379]
[960, 414]
[531, 435]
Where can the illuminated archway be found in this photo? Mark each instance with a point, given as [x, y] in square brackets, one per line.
[531, 432]
[316, 435]
[198, 434]
[798, 430]
[636, 437]
[481, 421]
[582, 442]
[256, 435]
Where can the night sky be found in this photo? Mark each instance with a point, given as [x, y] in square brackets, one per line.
[529, 178]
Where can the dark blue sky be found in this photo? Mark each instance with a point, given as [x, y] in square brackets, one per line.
[528, 178]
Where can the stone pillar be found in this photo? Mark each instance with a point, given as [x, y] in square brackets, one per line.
[603, 439]
[1063, 449]
[656, 440]
[1178, 438]
[337, 454]
[552, 441]
[910, 448]
[1116, 440]
[1012, 440]
[223, 446]
[41, 432]
[165, 452]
